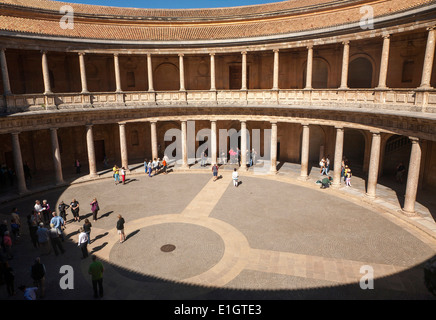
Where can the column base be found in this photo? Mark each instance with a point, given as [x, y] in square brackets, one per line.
[337, 186]
[303, 178]
[93, 175]
[370, 196]
[408, 213]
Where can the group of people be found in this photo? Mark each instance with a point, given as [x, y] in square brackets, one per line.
[325, 169]
[117, 172]
[156, 166]
[235, 156]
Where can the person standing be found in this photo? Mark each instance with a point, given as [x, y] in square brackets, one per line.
[83, 243]
[347, 176]
[116, 175]
[215, 171]
[87, 228]
[63, 210]
[9, 276]
[37, 273]
[145, 166]
[120, 228]
[55, 239]
[45, 211]
[203, 159]
[322, 166]
[155, 165]
[43, 239]
[7, 245]
[123, 175]
[77, 165]
[327, 165]
[38, 209]
[94, 208]
[59, 223]
[164, 166]
[74, 205]
[150, 168]
[96, 270]
[33, 228]
[235, 177]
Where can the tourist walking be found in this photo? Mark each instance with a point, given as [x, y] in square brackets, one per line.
[75, 208]
[55, 239]
[94, 209]
[215, 171]
[327, 165]
[120, 228]
[322, 166]
[82, 243]
[43, 239]
[145, 166]
[96, 270]
[62, 208]
[38, 273]
[123, 175]
[235, 177]
[155, 166]
[203, 159]
[87, 228]
[164, 166]
[116, 174]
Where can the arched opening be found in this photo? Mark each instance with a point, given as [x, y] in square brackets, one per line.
[360, 73]
[316, 144]
[397, 150]
[166, 77]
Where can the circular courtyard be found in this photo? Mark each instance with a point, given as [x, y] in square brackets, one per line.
[189, 237]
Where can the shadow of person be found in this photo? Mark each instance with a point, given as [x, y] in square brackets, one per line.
[105, 215]
[100, 236]
[130, 180]
[98, 248]
[131, 234]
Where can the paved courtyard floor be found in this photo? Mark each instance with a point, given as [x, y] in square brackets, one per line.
[273, 237]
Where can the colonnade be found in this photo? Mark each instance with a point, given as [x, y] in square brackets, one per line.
[412, 179]
[425, 80]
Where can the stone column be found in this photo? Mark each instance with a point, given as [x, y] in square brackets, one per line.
[18, 163]
[244, 70]
[213, 142]
[309, 67]
[182, 72]
[276, 70]
[412, 176]
[46, 73]
[150, 73]
[273, 147]
[212, 71]
[384, 63]
[5, 73]
[91, 151]
[123, 146]
[339, 146]
[184, 145]
[117, 73]
[428, 60]
[243, 145]
[56, 155]
[345, 58]
[374, 163]
[154, 151]
[305, 152]
[83, 72]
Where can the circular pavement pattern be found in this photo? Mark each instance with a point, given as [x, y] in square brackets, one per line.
[197, 249]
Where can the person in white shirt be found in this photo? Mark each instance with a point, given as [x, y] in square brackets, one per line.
[83, 242]
[155, 165]
[235, 177]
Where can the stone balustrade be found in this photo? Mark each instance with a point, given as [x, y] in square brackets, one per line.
[391, 99]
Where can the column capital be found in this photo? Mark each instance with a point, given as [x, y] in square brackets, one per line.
[309, 46]
[15, 133]
[414, 139]
[81, 53]
[43, 51]
[374, 132]
[386, 36]
[273, 123]
[339, 128]
[276, 50]
[305, 124]
[3, 49]
[116, 54]
[89, 125]
[181, 54]
[431, 28]
[148, 54]
[54, 128]
[243, 52]
[211, 53]
[346, 42]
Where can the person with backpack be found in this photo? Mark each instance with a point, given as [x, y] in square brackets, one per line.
[62, 208]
